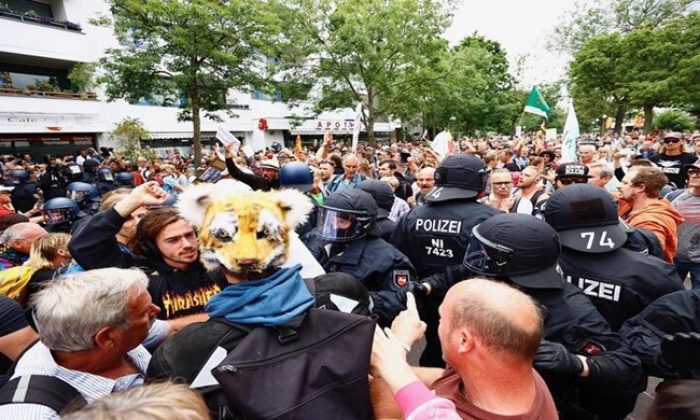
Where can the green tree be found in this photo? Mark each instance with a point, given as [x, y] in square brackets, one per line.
[599, 17]
[193, 52]
[599, 79]
[673, 120]
[382, 53]
[477, 95]
[129, 133]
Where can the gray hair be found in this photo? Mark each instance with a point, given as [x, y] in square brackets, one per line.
[17, 231]
[606, 171]
[71, 310]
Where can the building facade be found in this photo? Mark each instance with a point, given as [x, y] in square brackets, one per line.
[44, 42]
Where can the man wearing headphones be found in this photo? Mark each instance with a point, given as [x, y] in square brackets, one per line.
[165, 249]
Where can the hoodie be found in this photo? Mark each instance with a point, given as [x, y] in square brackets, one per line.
[662, 219]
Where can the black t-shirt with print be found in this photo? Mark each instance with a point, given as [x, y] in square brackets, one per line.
[672, 166]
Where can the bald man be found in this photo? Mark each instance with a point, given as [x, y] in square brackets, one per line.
[490, 333]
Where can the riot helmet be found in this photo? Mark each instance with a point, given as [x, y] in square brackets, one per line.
[519, 247]
[19, 176]
[82, 193]
[105, 175]
[60, 210]
[73, 172]
[125, 178]
[296, 175]
[346, 215]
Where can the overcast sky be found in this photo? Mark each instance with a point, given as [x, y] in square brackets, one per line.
[522, 28]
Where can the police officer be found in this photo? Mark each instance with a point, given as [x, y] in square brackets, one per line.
[590, 371]
[26, 192]
[85, 195]
[346, 240]
[435, 236]
[666, 335]
[299, 176]
[384, 197]
[105, 181]
[73, 172]
[619, 282]
[60, 213]
[53, 181]
[90, 167]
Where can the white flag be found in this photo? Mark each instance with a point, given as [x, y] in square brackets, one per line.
[441, 143]
[227, 138]
[356, 127]
[570, 136]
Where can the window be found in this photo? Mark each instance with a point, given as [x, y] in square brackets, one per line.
[29, 6]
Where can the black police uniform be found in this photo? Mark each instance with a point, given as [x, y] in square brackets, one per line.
[435, 236]
[373, 261]
[616, 375]
[23, 196]
[620, 283]
[53, 183]
[677, 312]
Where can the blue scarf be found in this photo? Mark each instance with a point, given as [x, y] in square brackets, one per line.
[271, 301]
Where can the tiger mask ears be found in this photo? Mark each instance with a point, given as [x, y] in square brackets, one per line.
[194, 202]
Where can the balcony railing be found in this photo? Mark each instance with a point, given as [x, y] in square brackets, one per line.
[42, 20]
[11, 91]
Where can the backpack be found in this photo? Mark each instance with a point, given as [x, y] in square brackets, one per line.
[192, 354]
[318, 369]
[48, 391]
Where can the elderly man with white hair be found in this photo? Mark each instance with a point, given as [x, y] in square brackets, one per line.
[90, 326]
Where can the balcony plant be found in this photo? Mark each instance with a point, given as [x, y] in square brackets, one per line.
[80, 76]
[72, 25]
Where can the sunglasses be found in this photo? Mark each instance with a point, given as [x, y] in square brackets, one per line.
[569, 181]
[671, 140]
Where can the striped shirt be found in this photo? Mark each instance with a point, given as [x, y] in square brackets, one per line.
[39, 361]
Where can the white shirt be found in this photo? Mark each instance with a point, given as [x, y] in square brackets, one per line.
[38, 360]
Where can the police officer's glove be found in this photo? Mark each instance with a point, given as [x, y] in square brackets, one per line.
[418, 289]
[680, 350]
[554, 357]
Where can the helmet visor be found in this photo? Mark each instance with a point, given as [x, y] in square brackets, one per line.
[485, 257]
[339, 226]
[77, 196]
[56, 216]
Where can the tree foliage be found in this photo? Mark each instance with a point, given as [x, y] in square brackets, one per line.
[644, 68]
[129, 132]
[378, 52]
[600, 17]
[673, 120]
[191, 53]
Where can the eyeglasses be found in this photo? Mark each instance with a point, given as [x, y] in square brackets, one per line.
[692, 172]
[671, 140]
[569, 181]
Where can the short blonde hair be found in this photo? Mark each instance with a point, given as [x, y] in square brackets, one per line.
[44, 249]
[161, 401]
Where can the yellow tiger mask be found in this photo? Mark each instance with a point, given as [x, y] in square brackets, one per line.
[242, 231]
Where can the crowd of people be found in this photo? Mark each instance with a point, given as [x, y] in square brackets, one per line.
[542, 287]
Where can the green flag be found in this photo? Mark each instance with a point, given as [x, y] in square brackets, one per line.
[536, 104]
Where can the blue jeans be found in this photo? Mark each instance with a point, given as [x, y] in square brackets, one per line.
[684, 268]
